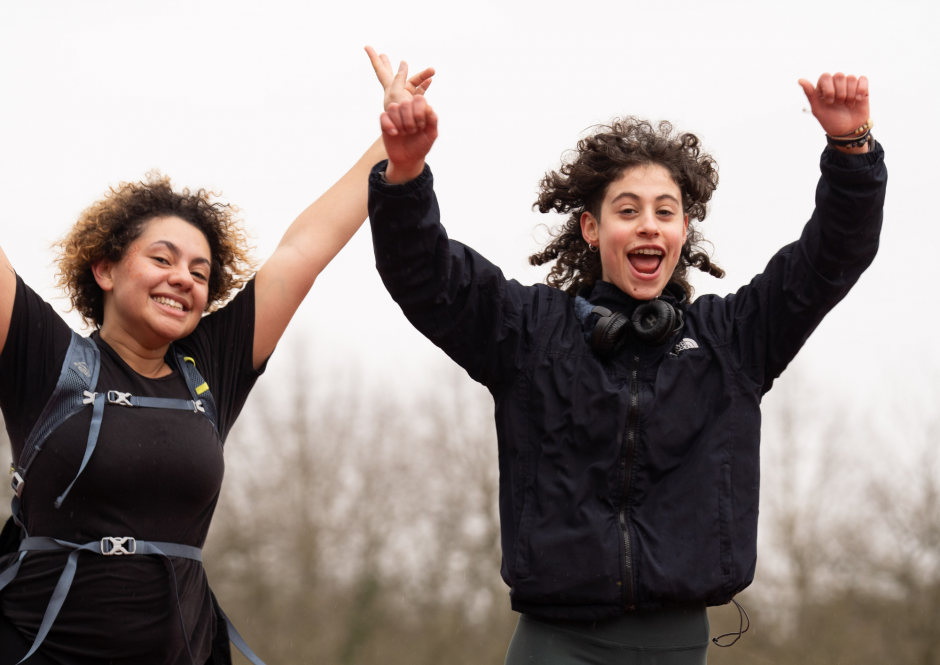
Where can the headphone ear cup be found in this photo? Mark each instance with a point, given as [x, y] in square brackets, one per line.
[653, 322]
[608, 335]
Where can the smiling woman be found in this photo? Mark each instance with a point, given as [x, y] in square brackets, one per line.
[136, 414]
[601, 181]
[627, 414]
[107, 229]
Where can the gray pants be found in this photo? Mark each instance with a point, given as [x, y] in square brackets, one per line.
[674, 636]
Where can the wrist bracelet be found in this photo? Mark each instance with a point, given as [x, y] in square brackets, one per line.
[864, 129]
[856, 142]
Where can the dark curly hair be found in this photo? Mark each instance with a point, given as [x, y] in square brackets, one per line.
[601, 158]
[108, 227]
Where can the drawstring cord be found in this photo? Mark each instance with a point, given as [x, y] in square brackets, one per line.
[742, 616]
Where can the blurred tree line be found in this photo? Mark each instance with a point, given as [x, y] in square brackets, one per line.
[360, 527]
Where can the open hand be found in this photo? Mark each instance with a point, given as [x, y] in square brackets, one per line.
[409, 129]
[416, 85]
[839, 102]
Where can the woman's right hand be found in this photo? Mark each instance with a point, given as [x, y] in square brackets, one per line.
[409, 129]
[416, 85]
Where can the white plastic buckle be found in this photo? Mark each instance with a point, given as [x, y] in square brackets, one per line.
[117, 546]
[17, 483]
[89, 398]
[197, 406]
[117, 397]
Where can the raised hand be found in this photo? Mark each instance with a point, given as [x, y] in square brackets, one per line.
[409, 129]
[839, 102]
[416, 85]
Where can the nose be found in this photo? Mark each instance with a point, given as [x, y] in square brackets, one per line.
[648, 227]
[181, 278]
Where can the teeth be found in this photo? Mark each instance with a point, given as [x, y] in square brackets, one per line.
[654, 252]
[168, 302]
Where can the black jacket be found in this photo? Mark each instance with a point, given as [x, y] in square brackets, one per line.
[632, 483]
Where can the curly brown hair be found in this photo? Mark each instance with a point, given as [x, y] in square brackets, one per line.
[601, 158]
[108, 227]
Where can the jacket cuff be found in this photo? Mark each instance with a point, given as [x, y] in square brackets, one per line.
[378, 183]
[852, 166]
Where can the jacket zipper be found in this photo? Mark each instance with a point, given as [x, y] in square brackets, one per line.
[629, 600]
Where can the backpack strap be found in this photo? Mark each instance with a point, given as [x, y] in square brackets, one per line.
[76, 390]
[77, 380]
[197, 385]
[111, 546]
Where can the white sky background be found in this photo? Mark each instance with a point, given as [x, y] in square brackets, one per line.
[271, 105]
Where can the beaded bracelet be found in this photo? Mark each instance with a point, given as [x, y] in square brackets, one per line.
[856, 142]
[864, 129]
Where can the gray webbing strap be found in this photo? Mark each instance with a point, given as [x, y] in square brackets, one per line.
[110, 546]
[126, 399]
[239, 641]
[105, 547]
[96, 416]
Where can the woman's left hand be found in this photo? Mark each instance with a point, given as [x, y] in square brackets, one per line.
[416, 85]
[839, 102]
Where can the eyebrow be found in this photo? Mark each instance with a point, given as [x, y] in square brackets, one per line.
[176, 251]
[631, 195]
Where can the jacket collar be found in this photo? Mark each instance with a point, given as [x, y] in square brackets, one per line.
[607, 295]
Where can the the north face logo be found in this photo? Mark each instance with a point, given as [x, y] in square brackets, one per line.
[684, 345]
[83, 368]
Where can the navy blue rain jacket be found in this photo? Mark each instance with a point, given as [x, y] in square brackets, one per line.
[632, 483]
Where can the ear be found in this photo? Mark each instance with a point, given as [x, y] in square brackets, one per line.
[102, 270]
[685, 228]
[589, 229]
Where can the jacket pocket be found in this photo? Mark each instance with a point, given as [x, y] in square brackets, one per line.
[726, 522]
[523, 553]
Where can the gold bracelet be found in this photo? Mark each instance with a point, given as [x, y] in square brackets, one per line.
[861, 130]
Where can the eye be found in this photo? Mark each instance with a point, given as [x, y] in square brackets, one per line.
[200, 276]
[629, 210]
[161, 260]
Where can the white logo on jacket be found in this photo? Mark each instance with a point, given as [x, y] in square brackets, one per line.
[684, 345]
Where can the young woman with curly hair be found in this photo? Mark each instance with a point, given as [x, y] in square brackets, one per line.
[627, 415]
[153, 270]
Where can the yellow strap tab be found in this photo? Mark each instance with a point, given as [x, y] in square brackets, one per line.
[203, 388]
[187, 358]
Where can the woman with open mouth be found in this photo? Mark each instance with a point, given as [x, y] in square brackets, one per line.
[117, 438]
[627, 414]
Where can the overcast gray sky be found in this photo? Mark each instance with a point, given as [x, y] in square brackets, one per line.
[270, 105]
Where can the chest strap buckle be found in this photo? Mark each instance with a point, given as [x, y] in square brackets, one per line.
[117, 397]
[111, 546]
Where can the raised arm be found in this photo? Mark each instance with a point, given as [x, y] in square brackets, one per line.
[455, 297]
[769, 320]
[7, 294]
[316, 236]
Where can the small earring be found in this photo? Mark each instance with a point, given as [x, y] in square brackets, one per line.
[592, 248]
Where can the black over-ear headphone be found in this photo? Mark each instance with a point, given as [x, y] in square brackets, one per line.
[652, 323]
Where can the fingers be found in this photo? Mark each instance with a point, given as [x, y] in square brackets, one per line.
[387, 124]
[826, 89]
[808, 90]
[419, 110]
[861, 92]
[406, 111]
[419, 80]
[423, 88]
[383, 70]
[430, 127]
[851, 86]
[838, 84]
[408, 117]
[398, 83]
